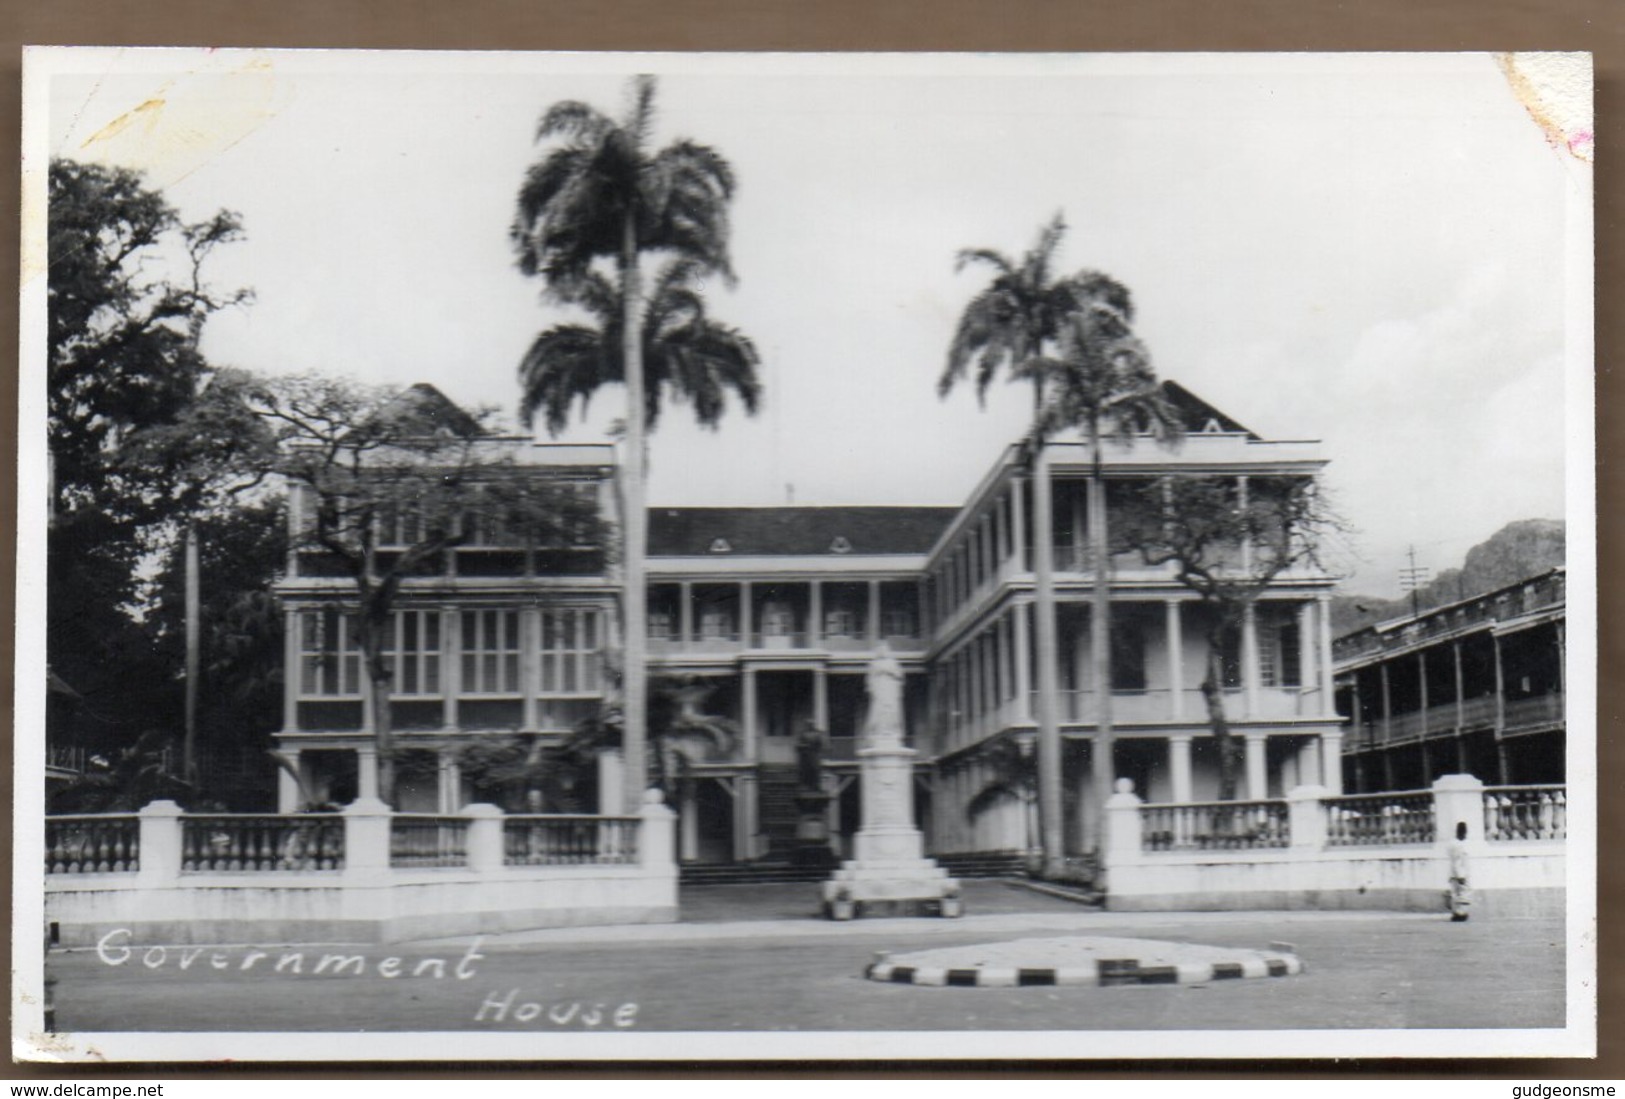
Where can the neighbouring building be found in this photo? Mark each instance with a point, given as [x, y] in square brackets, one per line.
[771, 615]
[1472, 687]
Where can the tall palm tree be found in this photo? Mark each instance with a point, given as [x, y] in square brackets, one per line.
[600, 194]
[1101, 382]
[1009, 325]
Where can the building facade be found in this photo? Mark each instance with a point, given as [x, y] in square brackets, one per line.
[766, 618]
[1473, 687]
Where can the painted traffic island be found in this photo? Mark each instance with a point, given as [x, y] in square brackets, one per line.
[1091, 960]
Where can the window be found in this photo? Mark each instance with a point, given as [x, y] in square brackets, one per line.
[415, 652]
[660, 626]
[1278, 657]
[329, 658]
[400, 525]
[1128, 655]
[897, 623]
[717, 625]
[840, 623]
[491, 652]
[570, 653]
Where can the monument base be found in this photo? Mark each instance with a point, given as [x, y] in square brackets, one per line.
[891, 887]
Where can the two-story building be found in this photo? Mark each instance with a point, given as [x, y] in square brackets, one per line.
[778, 612]
[1472, 687]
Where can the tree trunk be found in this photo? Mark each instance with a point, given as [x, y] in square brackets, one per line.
[634, 701]
[1213, 693]
[1051, 827]
[1100, 639]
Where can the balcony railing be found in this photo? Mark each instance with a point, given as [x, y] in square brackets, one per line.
[1380, 819]
[102, 844]
[1215, 826]
[1525, 813]
[1539, 710]
[562, 840]
[261, 842]
[425, 840]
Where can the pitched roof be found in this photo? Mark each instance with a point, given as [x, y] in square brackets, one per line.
[1197, 413]
[423, 407]
[704, 532]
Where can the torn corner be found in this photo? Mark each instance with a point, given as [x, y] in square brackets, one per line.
[1555, 88]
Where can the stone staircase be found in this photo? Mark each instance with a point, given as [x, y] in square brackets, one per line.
[777, 814]
[983, 864]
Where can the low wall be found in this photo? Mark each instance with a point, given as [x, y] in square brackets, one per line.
[1298, 866]
[366, 899]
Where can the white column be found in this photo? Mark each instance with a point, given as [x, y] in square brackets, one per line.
[874, 613]
[366, 759]
[747, 713]
[1246, 541]
[451, 666]
[821, 699]
[1176, 665]
[293, 670]
[1310, 770]
[530, 662]
[1024, 668]
[685, 614]
[1018, 524]
[1257, 775]
[287, 787]
[815, 616]
[1249, 659]
[611, 784]
[1179, 766]
[1323, 657]
[746, 626]
[1331, 760]
[1308, 669]
[689, 823]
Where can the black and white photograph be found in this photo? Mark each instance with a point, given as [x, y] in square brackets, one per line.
[572, 556]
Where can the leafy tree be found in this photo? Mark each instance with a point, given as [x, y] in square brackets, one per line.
[391, 482]
[1011, 325]
[1101, 382]
[598, 197]
[130, 458]
[681, 734]
[1229, 545]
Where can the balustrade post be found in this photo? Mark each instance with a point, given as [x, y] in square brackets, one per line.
[366, 840]
[657, 846]
[160, 851]
[1122, 844]
[485, 840]
[1306, 816]
[1458, 798]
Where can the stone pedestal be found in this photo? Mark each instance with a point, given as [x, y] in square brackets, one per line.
[889, 874]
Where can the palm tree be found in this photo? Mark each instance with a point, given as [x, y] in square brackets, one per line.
[1009, 325]
[599, 194]
[1101, 382]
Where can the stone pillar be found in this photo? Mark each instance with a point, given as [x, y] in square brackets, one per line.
[655, 850]
[485, 846]
[1018, 524]
[1179, 766]
[1456, 798]
[1310, 770]
[815, 617]
[685, 614]
[1331, 761]
[1246, 541]
[744, 834]
[873, 628]
[1306, 817]
[287, 787]
[1176, 662]
[1257, 775]
[746, 626]
[821, 699]
[366, 773]
[366, 841]
[1307, 668]
[160, 839]
[1122, 843]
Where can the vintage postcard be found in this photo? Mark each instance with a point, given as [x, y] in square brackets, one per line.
[684, 556]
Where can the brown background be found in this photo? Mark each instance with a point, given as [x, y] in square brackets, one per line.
[1001, 25]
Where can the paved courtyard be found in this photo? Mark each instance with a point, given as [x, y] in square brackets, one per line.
[757, 958]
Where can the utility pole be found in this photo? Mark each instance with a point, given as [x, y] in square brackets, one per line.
[1412, 579]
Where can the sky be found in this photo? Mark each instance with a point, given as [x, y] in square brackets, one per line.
[1372, 251]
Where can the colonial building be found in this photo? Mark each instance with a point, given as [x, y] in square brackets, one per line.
[768, 616]
[1472, 687]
